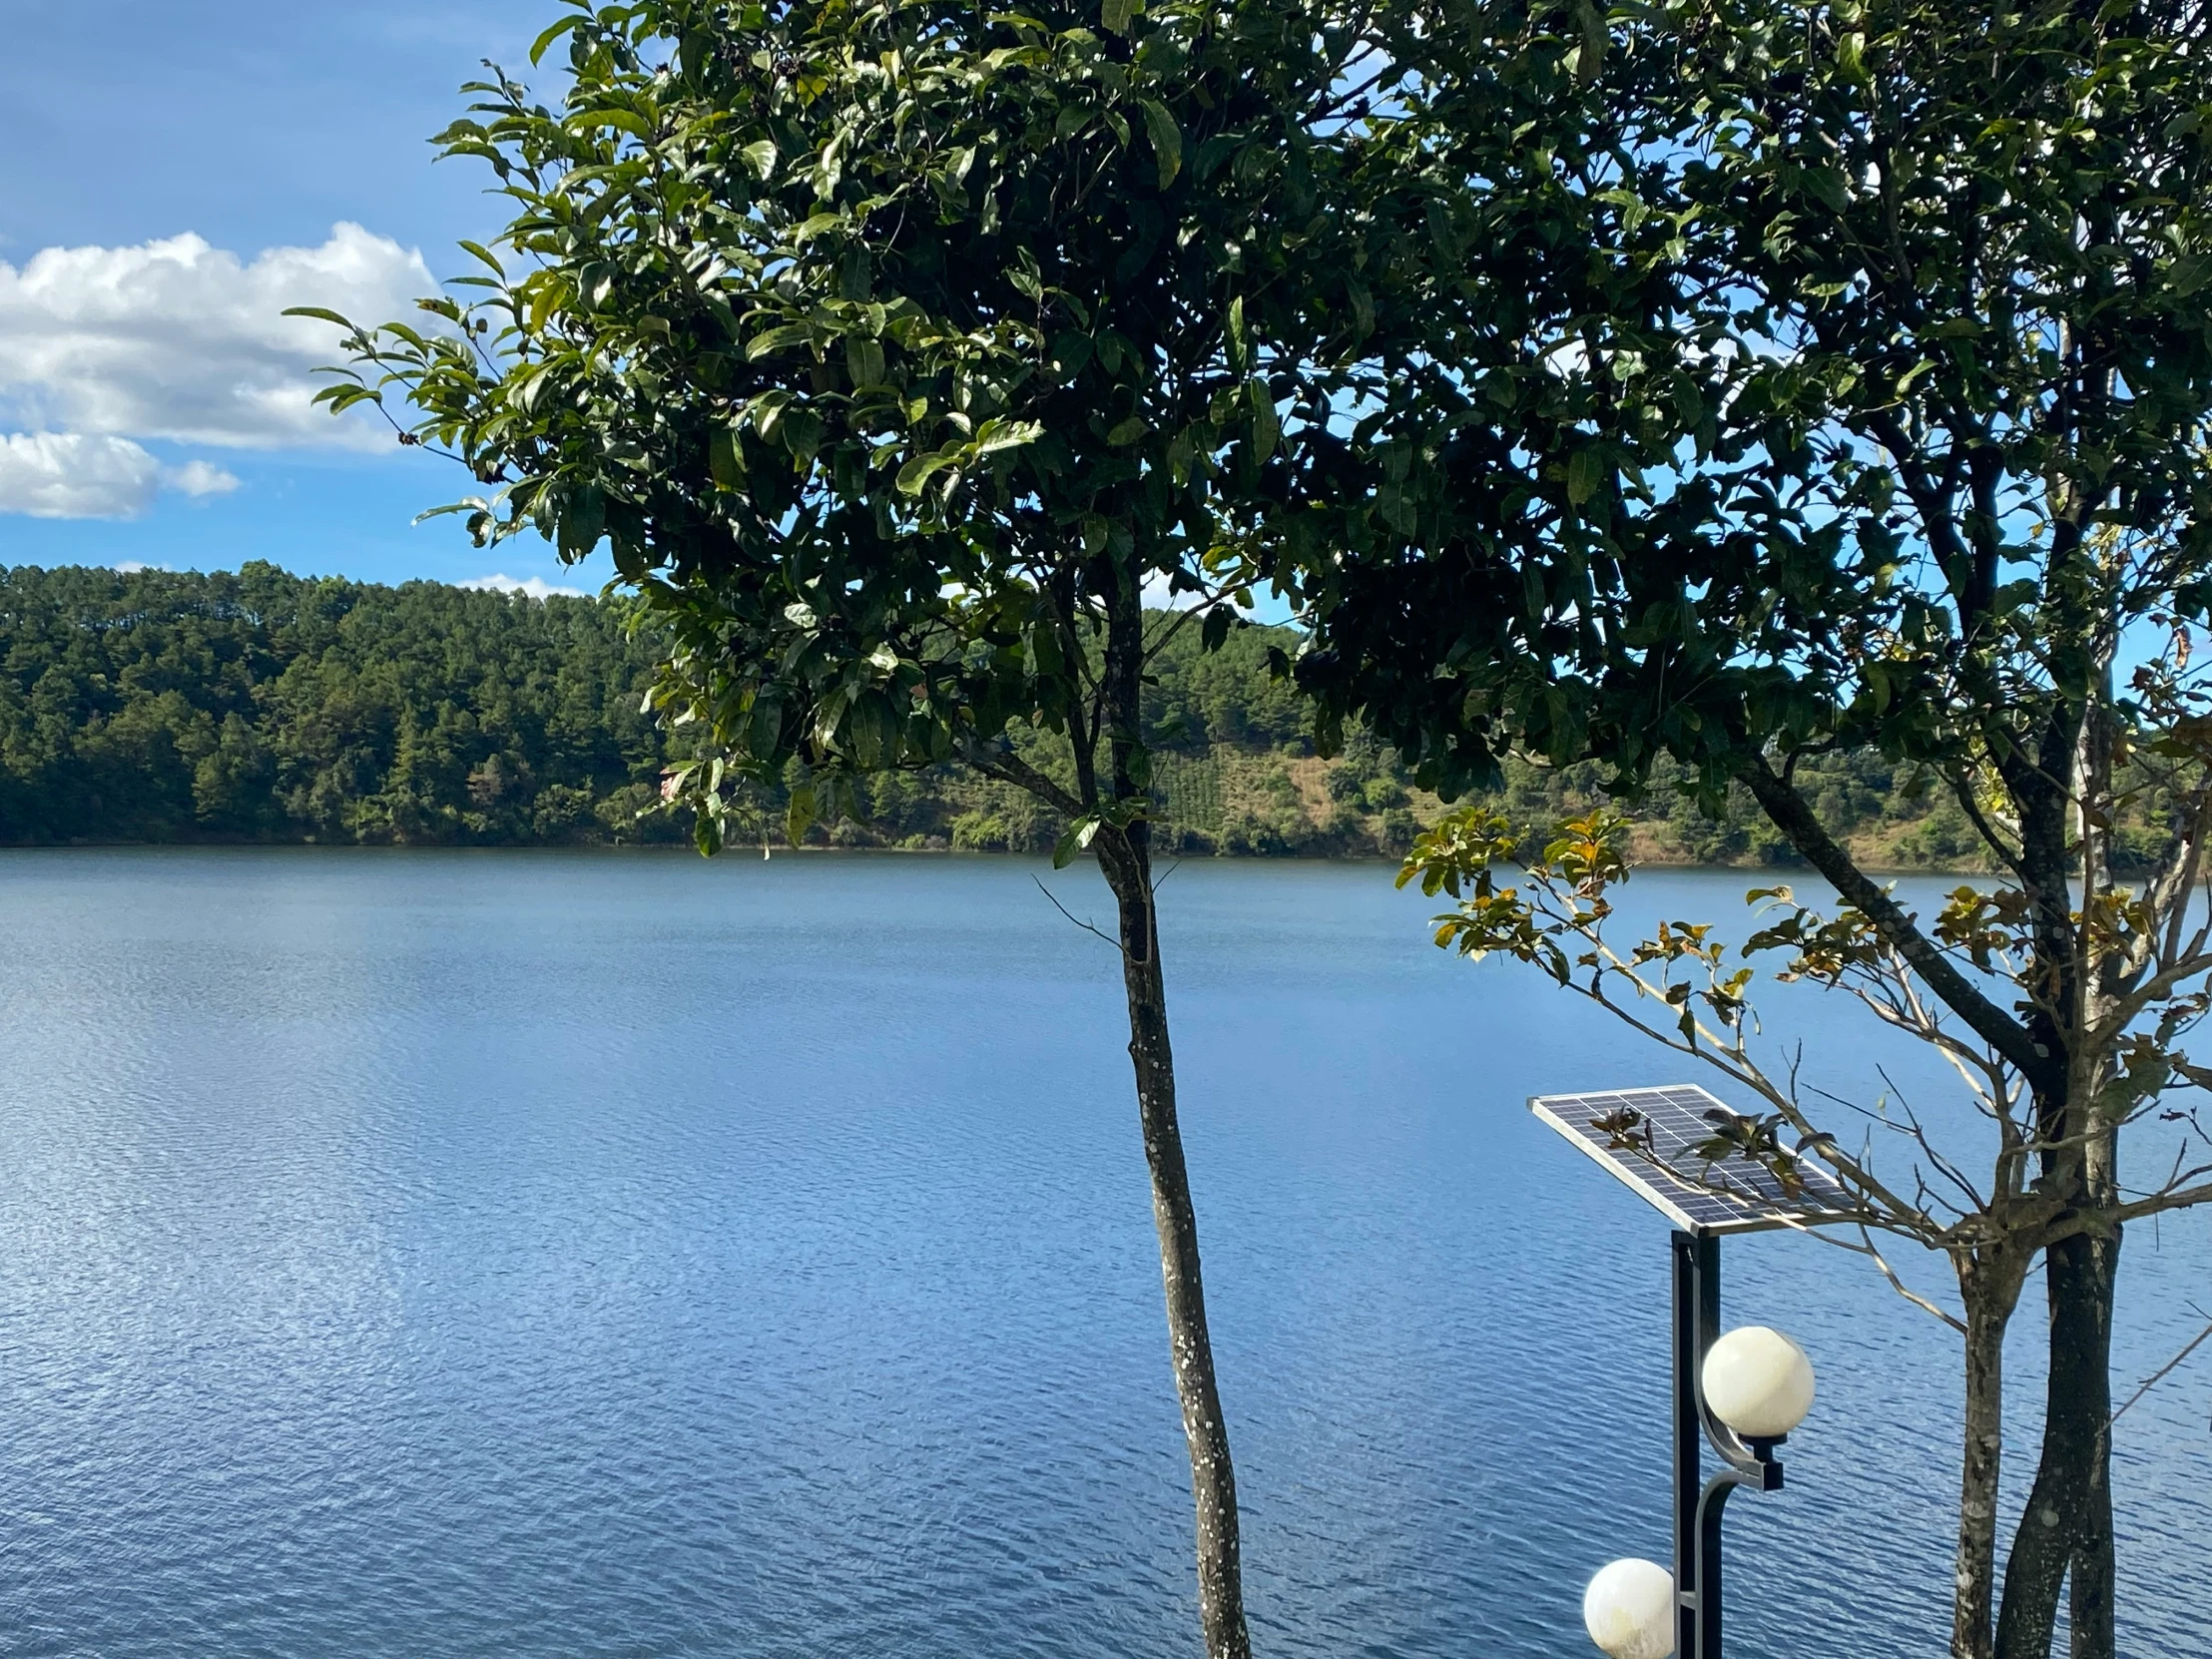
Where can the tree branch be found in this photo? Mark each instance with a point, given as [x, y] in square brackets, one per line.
[1789, 813]
[1009, 767]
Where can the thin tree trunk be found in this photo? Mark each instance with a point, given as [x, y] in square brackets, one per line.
[2088, 1373]
[1123, 846]
[1127, 867]
[2094, 1567]
[2059, 1529]
[1991, 1291]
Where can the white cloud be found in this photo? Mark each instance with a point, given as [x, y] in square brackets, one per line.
[537, 587]
[176, 339]
[93, 475]
[197, 478]
[74, 475]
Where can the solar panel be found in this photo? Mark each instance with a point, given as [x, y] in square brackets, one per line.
[1662, 1142]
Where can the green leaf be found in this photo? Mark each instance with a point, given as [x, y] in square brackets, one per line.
[761, 157]
[863, 360]
[1363, 305]
[803, 435]
[340, 399]
[1827, 186]
[1851, 58]
[1587, 471]
[1128, 432]
[917, 472]
[768, 413]
[1591, 53]
[1069, 355]
[583, 521]
[538, 46]
[719, 309]
[474, 504]
[1267, 430]
[1045, 660]
[2188, 274]
[996, 435]
[620, 121]
[1074, 840]
[1166, 137]
[1240, 342]
[724, 459]
[1116, 15]
[764, 726]
[800, 815]
[790, 333]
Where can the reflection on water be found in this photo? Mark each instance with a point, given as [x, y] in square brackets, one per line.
[448, 1254]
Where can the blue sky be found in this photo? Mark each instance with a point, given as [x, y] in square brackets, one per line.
[149, 397]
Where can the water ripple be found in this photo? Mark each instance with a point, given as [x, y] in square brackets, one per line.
[600, 1256]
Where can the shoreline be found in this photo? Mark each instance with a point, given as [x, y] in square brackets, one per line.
[779, 850]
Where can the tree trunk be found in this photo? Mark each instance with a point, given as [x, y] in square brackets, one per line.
[1127, 865]
[2068, 1520]
[1991, 1291]
[2094, 1564]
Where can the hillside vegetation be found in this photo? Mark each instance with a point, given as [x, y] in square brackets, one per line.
[264, 706]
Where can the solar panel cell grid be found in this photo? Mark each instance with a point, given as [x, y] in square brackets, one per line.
[1650, 1138]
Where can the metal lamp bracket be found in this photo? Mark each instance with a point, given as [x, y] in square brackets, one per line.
[1698, 1501]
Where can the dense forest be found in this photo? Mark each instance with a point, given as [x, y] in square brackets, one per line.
[264, 706]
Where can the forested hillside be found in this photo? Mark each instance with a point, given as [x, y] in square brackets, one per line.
[259, 705]
[264, 706]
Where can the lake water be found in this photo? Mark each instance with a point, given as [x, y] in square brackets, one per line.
[419, 1253]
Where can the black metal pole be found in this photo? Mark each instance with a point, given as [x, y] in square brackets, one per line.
[1698, 1503]
[1689, 1440]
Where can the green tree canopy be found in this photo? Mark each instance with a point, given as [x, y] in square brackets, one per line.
[1879, 422]
[155, 706]
[899, 351]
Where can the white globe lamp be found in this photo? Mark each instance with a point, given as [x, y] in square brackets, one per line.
[1629, 1610]
[1758, 1383]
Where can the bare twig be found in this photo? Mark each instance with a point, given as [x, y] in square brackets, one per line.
[1087, 926]
[2160, 1373]
[1869, 1249]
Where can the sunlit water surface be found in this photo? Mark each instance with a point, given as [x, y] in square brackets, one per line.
[416, 1254]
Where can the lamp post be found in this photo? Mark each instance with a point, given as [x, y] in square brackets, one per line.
[1741, 1394]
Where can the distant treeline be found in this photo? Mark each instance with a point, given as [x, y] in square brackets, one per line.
[157, 706]
[152, 706]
